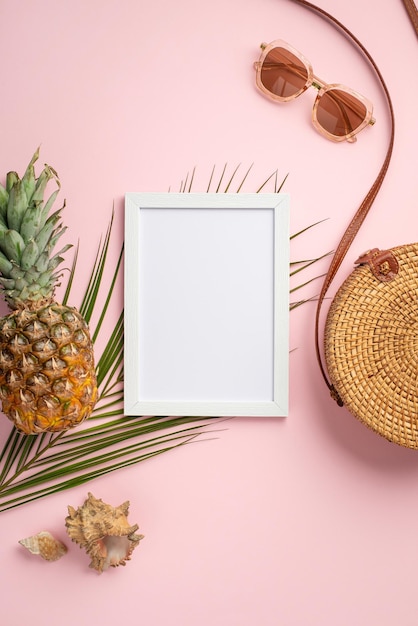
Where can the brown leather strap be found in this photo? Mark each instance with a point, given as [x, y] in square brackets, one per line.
[364, 208]
[413, 13]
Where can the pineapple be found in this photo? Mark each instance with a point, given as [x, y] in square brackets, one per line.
[47, 373]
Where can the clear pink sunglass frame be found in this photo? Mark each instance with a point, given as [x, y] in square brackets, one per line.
[322, 87]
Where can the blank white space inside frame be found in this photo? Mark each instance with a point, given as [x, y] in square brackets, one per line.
[206, 304]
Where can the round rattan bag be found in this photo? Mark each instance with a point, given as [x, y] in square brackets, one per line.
[371, 343]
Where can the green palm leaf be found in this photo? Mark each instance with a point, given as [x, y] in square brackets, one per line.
[35, 466]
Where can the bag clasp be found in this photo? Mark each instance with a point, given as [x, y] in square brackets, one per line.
[383, 264]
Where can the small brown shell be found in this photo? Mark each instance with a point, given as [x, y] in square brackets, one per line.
[103, 531]
[45, 545]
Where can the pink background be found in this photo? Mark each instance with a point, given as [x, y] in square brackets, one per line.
[300, 521]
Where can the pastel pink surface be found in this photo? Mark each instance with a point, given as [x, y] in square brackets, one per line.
[299, 521]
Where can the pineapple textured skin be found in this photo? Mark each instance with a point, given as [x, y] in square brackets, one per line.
[47, 375]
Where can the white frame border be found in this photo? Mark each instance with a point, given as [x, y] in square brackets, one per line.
[279, 204]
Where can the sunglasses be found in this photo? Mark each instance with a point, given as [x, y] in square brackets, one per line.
[339, 113]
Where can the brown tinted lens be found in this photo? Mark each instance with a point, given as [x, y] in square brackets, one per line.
[283, 74]
[340, 113]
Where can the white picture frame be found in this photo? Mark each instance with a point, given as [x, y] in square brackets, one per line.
[206, 310]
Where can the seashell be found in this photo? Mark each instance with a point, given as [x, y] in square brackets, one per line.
[103, 531]
[45, 545]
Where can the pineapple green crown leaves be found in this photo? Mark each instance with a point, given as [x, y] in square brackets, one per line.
[28, 235]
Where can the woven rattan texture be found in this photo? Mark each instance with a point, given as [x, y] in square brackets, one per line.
[371, 348]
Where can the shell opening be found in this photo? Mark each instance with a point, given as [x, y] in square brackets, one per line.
[115, 550]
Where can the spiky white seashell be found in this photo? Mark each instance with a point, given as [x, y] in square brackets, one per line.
[45, 545]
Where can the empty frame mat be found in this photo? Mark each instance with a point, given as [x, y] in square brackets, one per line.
[206, 304]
